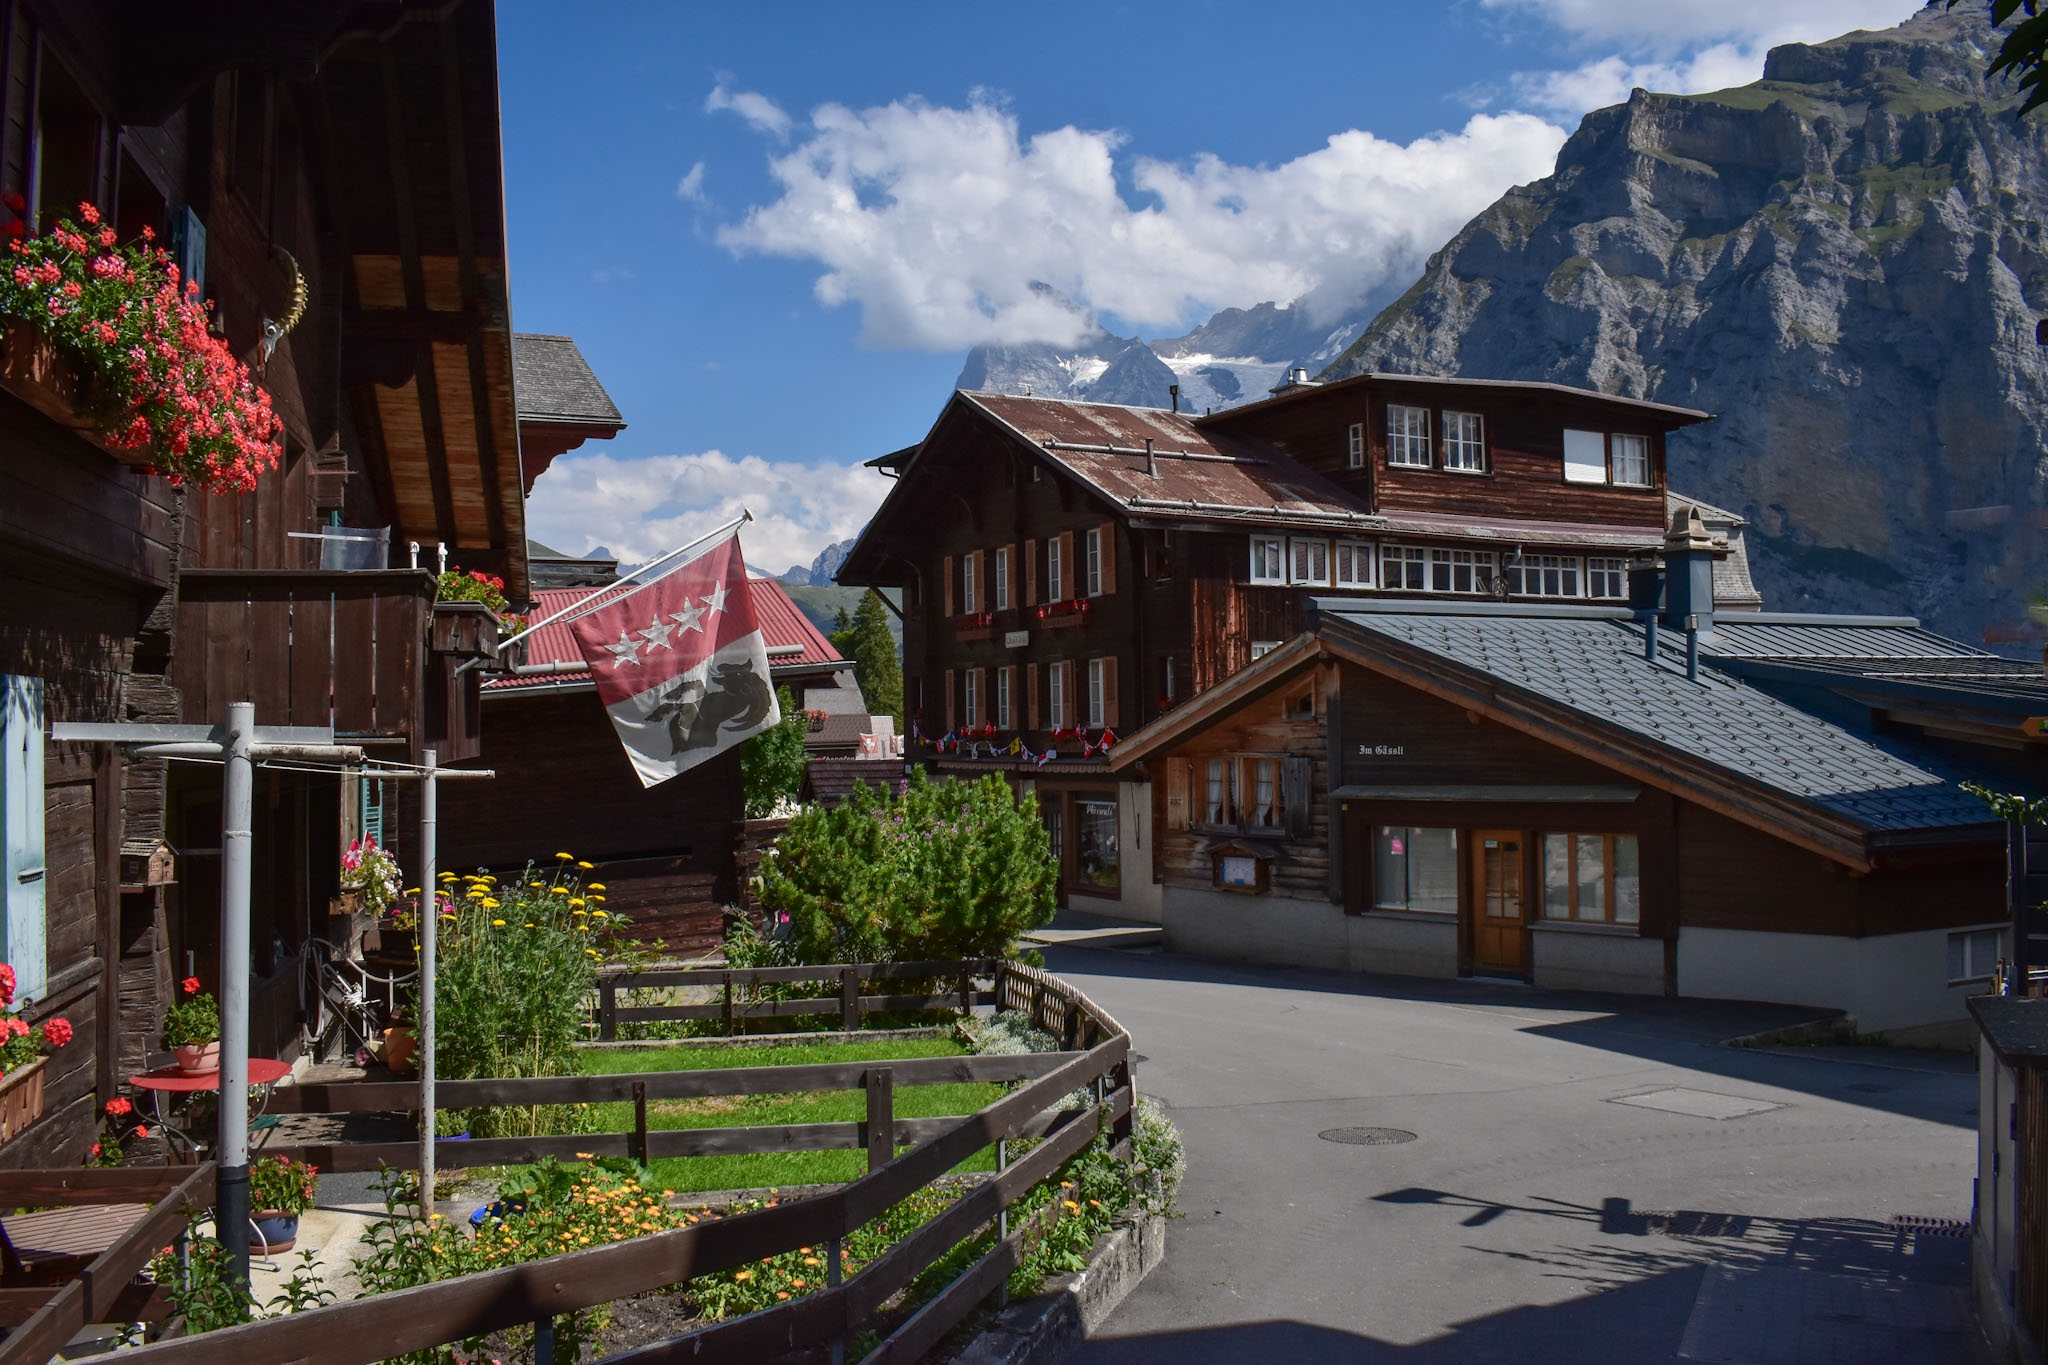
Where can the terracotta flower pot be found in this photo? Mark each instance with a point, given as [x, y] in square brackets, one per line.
[199, 1059]
[279, 1231]
[399, 1048]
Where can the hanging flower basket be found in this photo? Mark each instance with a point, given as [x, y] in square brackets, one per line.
[21, 1098]
[104, 338]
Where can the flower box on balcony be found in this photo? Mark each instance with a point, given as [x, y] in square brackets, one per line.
[40, 375]
[21, 1099]
[975, 625]
[1071, 612]
[465, 628]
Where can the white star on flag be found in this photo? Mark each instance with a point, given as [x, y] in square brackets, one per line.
[688, 619]
[656, 635]
[715, 603]
[625, 651]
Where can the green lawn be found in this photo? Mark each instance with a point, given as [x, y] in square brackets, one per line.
[780, 1168]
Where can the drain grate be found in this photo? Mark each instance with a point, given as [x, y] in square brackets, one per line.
[1367, 1137]
[1921, 1225]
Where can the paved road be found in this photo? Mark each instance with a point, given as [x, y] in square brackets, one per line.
[1737, 1210]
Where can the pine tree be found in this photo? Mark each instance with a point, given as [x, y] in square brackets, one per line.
[876, 667]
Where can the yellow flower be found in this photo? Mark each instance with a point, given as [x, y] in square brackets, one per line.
[1072, 1205]
[447, 876]
[566, 857]
[743, 1276]
[536, 885]
[599, 914]
[575, 900]
[597, 886]
[585, 866]
[578, 912]
[529, 924]
[585, 1156]
[592, 951]
[497, 924]
[490, 903]
[598, 899]
[412, 891]
[558, 891]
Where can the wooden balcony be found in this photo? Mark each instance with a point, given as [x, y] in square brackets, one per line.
[367, 651]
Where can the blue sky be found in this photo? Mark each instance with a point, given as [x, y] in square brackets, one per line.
[776, 238]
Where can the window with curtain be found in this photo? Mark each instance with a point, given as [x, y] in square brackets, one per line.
[1592, 878]
[1354, 564]
[1464, 443]
[967, 603]
[1056, 694]
[1311, 561]
[1631, 460]
[1416, 868]
[1055, 572]
[1002, 577]
[1408, 436]
[1269, 564]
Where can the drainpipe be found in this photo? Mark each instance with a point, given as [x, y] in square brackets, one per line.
[232, 1178]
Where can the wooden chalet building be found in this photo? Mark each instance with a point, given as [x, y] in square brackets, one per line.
[347, 153]
[1551, 792]
[1070, 569]
[669, 855]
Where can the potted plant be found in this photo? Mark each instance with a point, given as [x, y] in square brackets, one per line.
[192, 1030]
[280, 1189]
[370, 871]
[401, 1046]
[22, 1049]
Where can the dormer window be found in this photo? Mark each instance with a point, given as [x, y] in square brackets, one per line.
[1408, 436]
[1464, 443]
[1269, 563]
[1631, 460]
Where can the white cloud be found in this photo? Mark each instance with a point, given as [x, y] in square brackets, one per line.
[762, 114]
[643, 508]
[691, 186]
[939, 222]
[1679, 46]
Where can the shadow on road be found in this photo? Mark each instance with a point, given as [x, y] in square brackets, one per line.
[1693, 1034]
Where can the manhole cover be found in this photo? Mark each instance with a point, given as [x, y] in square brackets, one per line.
[1366, 1137]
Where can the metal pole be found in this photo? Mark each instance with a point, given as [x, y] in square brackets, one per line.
[2016, 903]
[430, 924]
[237, 798]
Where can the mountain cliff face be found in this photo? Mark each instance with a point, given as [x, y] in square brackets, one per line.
[1845, 261]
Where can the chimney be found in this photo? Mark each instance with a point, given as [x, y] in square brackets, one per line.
[1689, 573]
[1151, 459]
[1173, 392]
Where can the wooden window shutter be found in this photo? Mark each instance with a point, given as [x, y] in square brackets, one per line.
[946, 577]
[981, 598]
[981, 708]
[1070, 586]
[1107, 535]
[1031, 696]
[949, 695]
[1179, 778]
[1294, 797]
[1010, 576]
[1109, 716]
[1030, 573]
[24, 850]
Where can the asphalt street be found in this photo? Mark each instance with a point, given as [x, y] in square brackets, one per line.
[1591, 1178]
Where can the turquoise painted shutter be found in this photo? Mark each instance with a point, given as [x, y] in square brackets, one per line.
[373, 808]
[22, 875]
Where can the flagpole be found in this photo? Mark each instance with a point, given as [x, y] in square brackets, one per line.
[601, 600]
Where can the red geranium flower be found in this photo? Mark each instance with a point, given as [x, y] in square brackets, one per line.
[118, 1106]
[57, 1032]
[191, 985]
[142, 1130]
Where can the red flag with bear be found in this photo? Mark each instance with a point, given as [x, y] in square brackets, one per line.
[681, 665]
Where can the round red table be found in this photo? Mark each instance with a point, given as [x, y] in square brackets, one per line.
[170, 1082]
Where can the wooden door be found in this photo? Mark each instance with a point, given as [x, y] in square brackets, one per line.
[1497, 900]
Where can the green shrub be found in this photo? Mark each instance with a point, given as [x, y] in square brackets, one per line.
[516, 966]
[772, 762]
[937, 872]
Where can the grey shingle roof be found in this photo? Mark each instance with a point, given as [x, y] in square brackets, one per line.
[556, 384]
[1595, 666]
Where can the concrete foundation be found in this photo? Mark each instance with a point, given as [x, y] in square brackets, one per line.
[1886, 982]
[1580, 958]
[1300, 933]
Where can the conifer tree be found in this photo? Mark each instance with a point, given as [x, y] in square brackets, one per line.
[865, 639]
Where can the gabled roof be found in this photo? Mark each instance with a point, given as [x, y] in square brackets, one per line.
[1190, 473]
[1670, 415]
[556, 385]
[552, 652]
[1577, 678]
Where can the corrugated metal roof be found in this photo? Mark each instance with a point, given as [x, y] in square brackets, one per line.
[781, 623]
[1596, 667]
[1224, 479]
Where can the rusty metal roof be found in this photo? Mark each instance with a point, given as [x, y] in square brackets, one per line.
[1190, 473]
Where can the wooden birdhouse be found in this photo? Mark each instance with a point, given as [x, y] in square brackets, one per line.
[146, 863]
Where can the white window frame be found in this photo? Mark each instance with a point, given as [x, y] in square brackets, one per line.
[1002, 699]
[1630, 459]
[1095, 698]
[1170, 693]
[1546, 576]
[24, 867]
[1585, 456]
[1056, 695]
[1002, 577]
[1268, 559]
[1404, 557]
[1352, 555]
[1408, 437]
[1261, 648]
[1476, 565]
[1055, 575]
[967, 584]
[1596, 568]
[1308, 561]
[1464, 442]
[972, 696]
[1093, 560]
[1354, 450]
[1994, 933]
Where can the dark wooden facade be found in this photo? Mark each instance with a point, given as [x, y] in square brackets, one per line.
[350, 151]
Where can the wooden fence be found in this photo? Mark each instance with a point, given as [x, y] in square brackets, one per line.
[42, 1318]
[848, 1003]
[375, 1329]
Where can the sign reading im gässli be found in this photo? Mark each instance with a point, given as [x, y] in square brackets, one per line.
[1382, 750]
